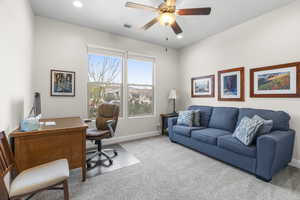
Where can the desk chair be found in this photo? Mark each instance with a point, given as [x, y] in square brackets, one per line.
[106, 123]
[31, 181]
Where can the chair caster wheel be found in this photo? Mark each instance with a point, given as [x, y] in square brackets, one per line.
[115, 153]
[88, 165]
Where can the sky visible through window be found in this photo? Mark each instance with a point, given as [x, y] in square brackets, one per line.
[112, 65]
[139, 72]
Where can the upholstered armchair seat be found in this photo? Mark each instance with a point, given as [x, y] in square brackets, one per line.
[39, 177]
[94, 132]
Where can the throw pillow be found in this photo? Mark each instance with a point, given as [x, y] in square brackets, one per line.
[266, 127]
[247, 129]
[185, 118]
[197, 117]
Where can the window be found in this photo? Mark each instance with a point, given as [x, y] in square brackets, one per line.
[140, 86]
[104, 81]
[106, 84]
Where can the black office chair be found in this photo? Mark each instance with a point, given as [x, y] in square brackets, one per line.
[106, 124]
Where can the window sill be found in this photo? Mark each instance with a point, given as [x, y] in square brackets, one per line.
[135, 117]
[142, 117]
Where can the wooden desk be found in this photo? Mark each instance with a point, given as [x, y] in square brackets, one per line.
[64, 140]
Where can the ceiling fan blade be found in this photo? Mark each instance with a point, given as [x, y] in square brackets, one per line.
[140, 6]
[194, 11]
[176, 28]
[149, 24]
[170, 2]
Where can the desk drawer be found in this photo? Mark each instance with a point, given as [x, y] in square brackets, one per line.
[34, 150]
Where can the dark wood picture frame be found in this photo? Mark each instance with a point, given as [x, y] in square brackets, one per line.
[282, 66]
[242, 84]
[212, 77]
[51, 81]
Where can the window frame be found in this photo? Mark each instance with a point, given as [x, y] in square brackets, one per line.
[125, 55]
[107, 52]
[140, 57]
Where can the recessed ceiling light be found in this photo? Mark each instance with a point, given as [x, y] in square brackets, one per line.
[77, 4]
[179, 36]
[127, 25]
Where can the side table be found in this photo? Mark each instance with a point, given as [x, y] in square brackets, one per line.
[164, 121]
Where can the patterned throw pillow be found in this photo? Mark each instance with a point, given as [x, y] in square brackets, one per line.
[185, 118]
[197, 117]
[265, 128]
[247, 129]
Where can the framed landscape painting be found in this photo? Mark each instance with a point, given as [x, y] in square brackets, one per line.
[62, 83]
[231, 85]
[275, 81]
[203, 86]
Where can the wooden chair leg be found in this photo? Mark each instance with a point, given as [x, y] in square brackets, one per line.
[66, 190]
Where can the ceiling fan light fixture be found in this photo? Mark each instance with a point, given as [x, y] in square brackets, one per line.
[179, 36]
[167, 19]
[77, 4]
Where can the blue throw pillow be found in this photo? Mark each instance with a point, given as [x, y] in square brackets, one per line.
[247, 129]
[186, 118]
[266, 127]
[197, 118]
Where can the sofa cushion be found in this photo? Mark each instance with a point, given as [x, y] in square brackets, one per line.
[209, 135]
[280, 119]
[223, 118]
[205, 112]
[247, 130]
[197, 118]
[230, 143]
[265, 128]
[185, 130]
[186, 118]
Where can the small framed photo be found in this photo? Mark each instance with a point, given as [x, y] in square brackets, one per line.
[231, 85]
[62, 83]
[203, 86]
[279, 81]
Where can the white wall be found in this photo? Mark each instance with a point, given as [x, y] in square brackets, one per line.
[63, 46]
[16, 49]
[267, 40]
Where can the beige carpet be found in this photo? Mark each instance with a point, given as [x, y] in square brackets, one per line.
[169, 171]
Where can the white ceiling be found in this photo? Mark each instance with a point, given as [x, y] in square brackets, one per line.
[110, 15]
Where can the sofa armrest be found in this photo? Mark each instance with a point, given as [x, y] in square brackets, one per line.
[171, 122]
[274, 152]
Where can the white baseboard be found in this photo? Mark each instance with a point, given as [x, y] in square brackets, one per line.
[130, 137]
[295, 163]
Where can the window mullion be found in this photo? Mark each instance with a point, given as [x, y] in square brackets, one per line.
[125, 86]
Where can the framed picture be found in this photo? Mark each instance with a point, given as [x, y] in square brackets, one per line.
[231, 85]
[275, 81]
[203, 86]
[62, 83]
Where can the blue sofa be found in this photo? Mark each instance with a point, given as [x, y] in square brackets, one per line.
[265, 157]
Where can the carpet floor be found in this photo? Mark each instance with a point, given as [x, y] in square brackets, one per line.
[169, 171]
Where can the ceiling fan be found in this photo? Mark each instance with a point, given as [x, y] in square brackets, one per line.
[167, 14]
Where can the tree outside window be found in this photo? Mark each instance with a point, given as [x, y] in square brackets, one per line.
[105, 82]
